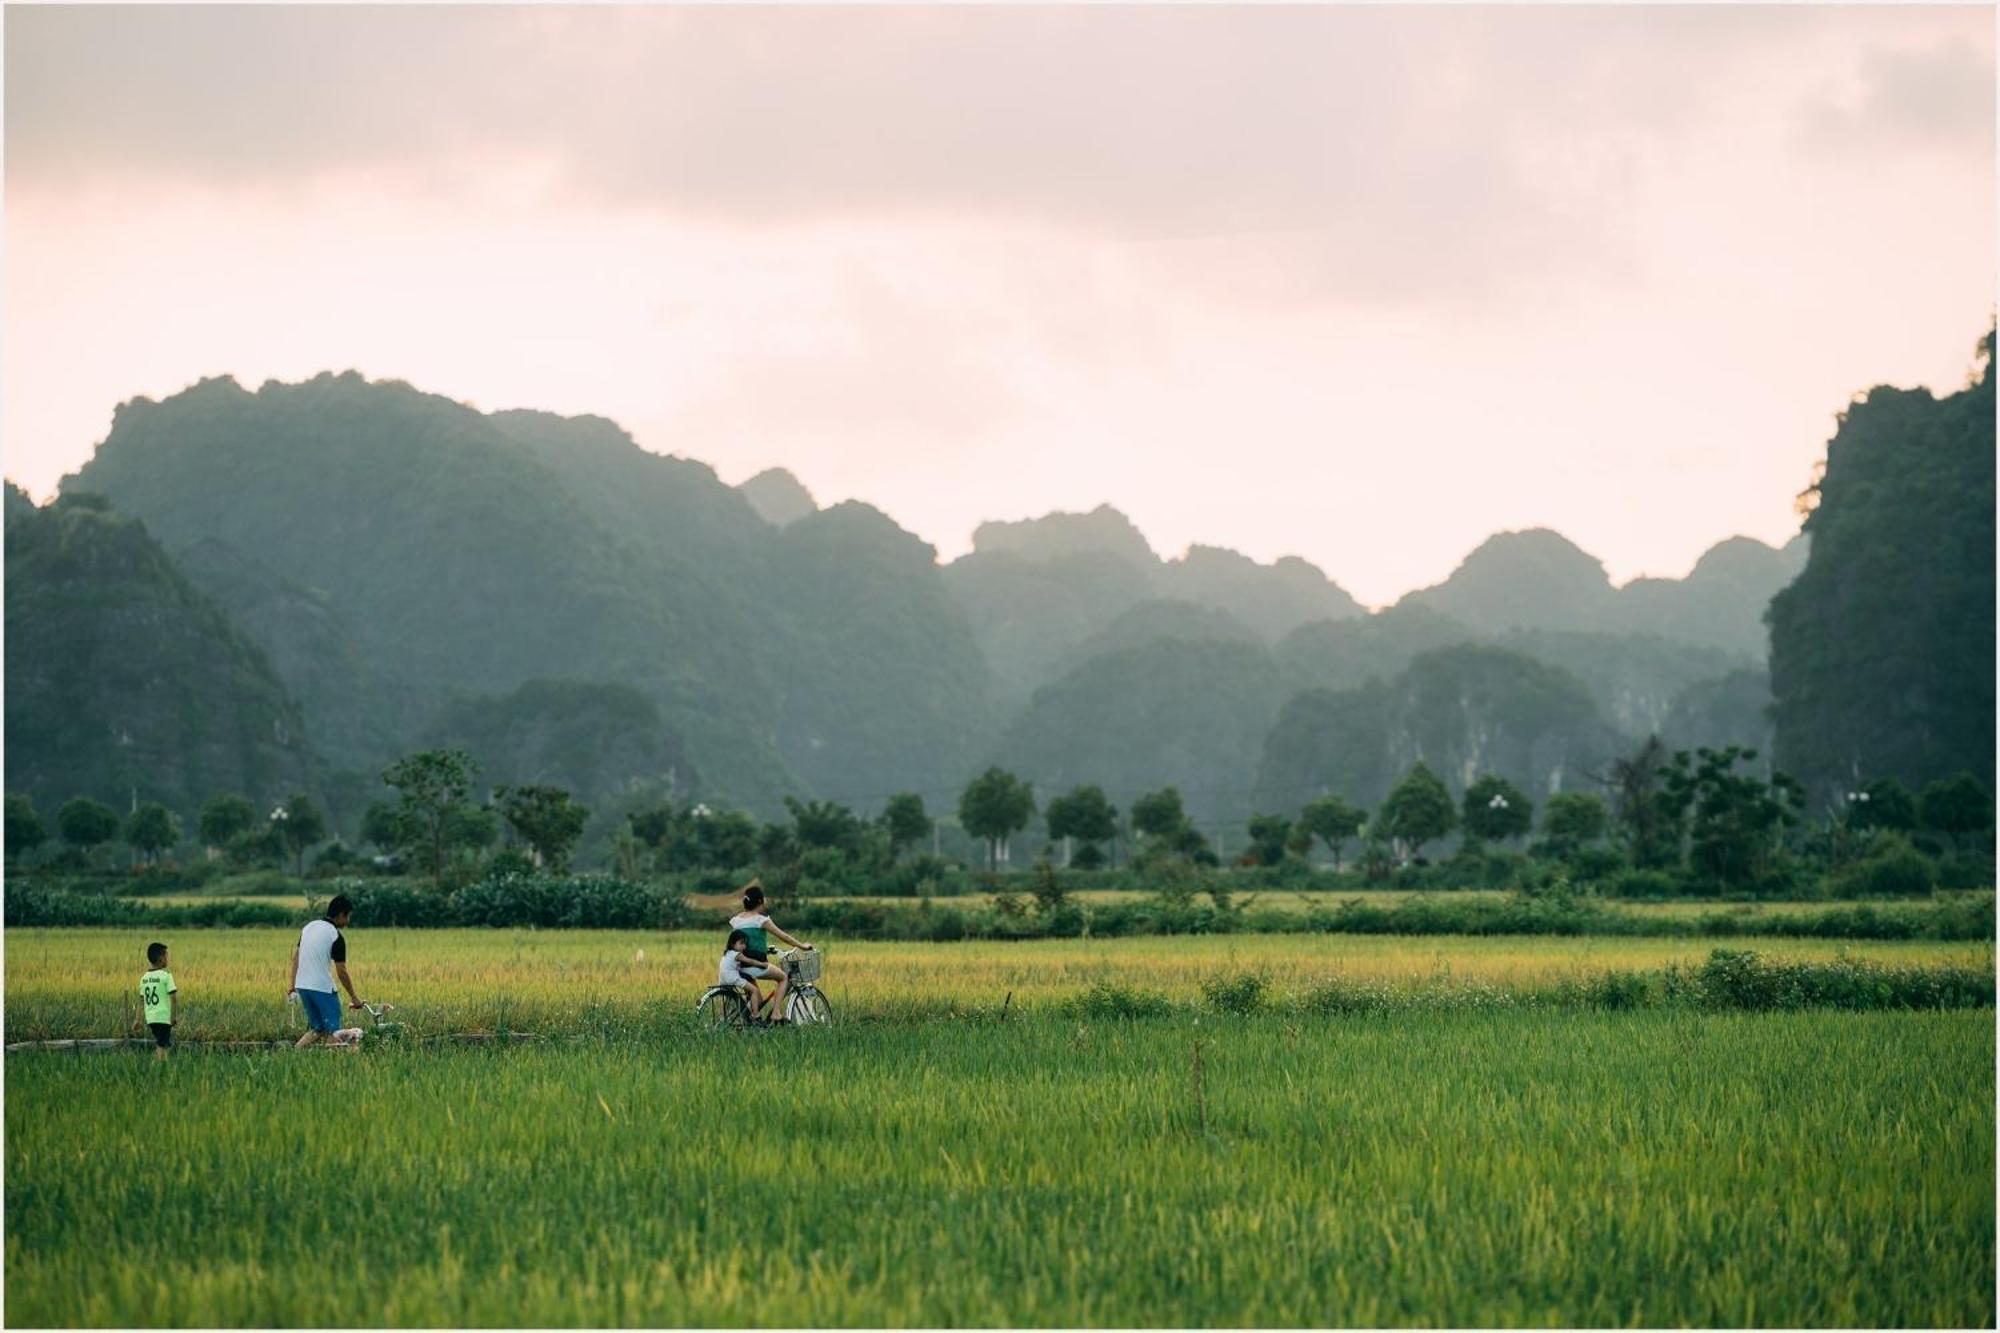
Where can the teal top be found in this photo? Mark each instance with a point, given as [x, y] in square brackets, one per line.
[753, 924]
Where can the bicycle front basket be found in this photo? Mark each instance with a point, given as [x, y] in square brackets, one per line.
[805, 964]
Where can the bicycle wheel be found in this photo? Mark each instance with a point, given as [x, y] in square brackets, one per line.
[720, 1010]
[808, 1006]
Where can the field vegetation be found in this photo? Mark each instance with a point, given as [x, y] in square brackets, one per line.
[1526, 1167]
[72, 982]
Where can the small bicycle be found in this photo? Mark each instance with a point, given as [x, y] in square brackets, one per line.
[384, 1029]
[722, 1008]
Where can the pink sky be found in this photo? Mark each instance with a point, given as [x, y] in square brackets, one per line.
[1361, 285]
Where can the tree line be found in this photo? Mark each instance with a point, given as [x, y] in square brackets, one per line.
[1699, 821]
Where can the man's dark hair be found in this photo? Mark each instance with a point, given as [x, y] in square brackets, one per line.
[155, 952]
[753, 896]
[736, 937]
[340, 906]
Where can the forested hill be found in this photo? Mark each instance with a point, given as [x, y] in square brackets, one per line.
[1540, 580]
[413, 570]
[1882, 652]
[123, 680]
[1038, 589]
[461, 555]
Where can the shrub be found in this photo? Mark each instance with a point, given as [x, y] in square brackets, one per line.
[1740, 979]
[923, 875]
[1240, 994]
[383, 903]
[1618, 990]
[1737, 979]
[39, 905]
[1965, 870]
[1106, 1000]
[600, 902]
[1064, 922]
[1360, 998]
[1892, 868]
[510, 861]
[1645, 884]
[1595, 865]
[948, 924]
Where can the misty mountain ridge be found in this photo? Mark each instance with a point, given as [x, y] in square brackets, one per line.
[1539, 579]
[411, 568]
[124, 681]
[778, 497]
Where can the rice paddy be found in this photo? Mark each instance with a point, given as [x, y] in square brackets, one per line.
[75, 982]
[1525, 1168]
[973, 1150]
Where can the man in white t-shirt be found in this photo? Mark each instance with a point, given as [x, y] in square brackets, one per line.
[318, 957]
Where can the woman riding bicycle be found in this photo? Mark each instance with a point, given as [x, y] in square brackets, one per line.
[757, 929]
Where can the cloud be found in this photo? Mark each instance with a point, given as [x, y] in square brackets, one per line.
[1357, 283]
[890, 371]
[1934, 96]
[1364, 153]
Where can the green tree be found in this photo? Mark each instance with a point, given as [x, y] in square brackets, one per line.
[1082, 814]
[385, 827]
[471, 829]
[222, 818]
[1956, 806]
[716, 839]
[825, 824]
[1333, 821]
[431, 786]
[1268, 836]
[1647, 820]
[1159, 814]
[1495, 810]
[300, 827]
[86, 824]
[1734, 819]
[152, 829]
[995, 806]
[259, 845]
[1418, 810]
[1159, 817]
[776, 846]
[544, 817]
[24, 828]
[905, 821]
[1572, 820]
[1883, 803]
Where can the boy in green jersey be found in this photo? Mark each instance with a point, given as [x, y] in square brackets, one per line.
[156, 993]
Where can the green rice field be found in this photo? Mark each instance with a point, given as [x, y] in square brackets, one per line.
[1521, 1168]
[966, 1146]
[76, 981]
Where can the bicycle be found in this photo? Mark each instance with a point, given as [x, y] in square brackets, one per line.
[722, 1008]
[385, 1028]
[390, 1030]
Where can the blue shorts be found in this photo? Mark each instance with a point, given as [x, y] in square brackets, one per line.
[322, 1010]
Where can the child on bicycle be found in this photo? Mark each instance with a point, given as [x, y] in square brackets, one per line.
[742, 967]
[758, 928]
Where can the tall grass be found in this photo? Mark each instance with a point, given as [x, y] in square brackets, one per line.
[1511, 1168]
[79, 982]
